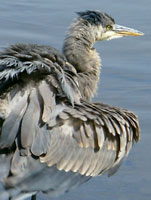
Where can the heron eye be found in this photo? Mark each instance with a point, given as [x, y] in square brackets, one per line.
[109, 27]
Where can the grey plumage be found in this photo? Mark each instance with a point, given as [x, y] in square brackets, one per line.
[50, 131]
[96, 18]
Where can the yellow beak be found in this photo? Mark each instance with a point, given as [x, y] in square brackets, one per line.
[125, 31]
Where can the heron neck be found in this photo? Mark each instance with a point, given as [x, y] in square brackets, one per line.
[79, 51]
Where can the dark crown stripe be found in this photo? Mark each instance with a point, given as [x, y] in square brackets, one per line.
[96, 17]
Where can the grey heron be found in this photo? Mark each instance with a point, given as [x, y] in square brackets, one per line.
[52, 137]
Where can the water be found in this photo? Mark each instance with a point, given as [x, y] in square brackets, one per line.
[125, 79]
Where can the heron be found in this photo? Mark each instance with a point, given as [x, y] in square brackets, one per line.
[52, 136]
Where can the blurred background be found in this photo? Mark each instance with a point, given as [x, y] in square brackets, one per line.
[125, 80]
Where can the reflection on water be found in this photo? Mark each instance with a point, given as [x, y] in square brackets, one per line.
[125, 79]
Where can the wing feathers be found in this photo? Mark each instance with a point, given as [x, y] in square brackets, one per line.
[41, 141]
[87, 138]
[58, 154]
[81, 157]
[49, 103]
[55, 145]
[12, 123]
[100, 136]
[87, 147]
[87, 162]
[28, 129]
[84, 138]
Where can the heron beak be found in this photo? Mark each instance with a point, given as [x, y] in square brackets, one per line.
[125, 31]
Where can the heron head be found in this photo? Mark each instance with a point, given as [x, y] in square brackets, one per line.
[104, 26]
